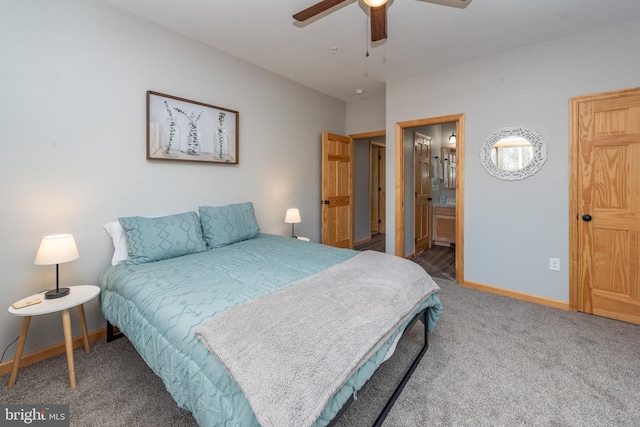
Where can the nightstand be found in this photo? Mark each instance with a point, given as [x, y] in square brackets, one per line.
[78, 295]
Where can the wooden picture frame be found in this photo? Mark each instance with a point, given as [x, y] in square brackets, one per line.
[179, 129]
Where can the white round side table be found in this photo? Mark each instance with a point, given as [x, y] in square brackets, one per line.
[77, 296]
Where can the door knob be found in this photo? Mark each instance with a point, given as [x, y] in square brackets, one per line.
[586, 217]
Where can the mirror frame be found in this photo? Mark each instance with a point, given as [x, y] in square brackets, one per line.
[538, 159]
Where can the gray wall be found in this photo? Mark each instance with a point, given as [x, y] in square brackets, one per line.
[366, 115]
[512, 228]
[74, 75]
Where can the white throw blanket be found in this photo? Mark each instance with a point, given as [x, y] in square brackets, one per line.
[290, 350]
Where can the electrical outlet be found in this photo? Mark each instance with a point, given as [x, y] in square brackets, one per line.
[554, 264]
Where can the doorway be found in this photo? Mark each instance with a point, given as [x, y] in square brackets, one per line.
[378, 188]
[346, 187]
[369, 187]
[403, 128]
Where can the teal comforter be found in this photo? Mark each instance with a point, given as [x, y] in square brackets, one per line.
[158, 305]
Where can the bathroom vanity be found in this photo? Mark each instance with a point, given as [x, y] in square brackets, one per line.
[444, 225]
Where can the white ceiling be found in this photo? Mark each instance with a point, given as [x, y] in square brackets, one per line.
[421, 35]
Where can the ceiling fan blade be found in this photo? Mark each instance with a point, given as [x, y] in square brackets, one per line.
[378, 23]
[316, 9]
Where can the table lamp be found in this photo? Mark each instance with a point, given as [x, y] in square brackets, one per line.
[56, 249]
[292, 217]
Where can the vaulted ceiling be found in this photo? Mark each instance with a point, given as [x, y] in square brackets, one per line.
[329, 52]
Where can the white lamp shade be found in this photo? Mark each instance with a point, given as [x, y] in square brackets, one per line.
[374, 3]
[292, 216]
[452, 139]
[57, 249]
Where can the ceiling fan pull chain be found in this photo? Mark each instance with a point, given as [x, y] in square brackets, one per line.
[366, 37]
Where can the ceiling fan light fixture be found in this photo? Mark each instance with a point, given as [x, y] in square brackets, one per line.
[374, 3]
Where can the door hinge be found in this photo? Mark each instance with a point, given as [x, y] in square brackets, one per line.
[379, 157]
[379, 221]
[379, 188]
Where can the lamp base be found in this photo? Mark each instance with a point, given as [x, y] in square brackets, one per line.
[56, 293]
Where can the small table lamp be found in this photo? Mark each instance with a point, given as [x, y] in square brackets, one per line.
[292, 217]
[56, 249]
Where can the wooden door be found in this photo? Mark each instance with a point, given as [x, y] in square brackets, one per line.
[608, 204]
[337, 190]
[378, 189]
[422, 191]
[382, 197]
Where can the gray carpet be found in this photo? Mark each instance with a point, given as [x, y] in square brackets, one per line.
[492, 361]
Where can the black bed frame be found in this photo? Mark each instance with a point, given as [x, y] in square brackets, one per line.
[110, 333]
[396, 393]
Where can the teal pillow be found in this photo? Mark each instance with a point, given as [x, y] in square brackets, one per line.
[224, 225]
[154, 239]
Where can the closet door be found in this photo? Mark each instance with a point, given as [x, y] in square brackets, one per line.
[608, 204]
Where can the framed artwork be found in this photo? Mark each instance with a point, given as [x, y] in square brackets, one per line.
[182, 130]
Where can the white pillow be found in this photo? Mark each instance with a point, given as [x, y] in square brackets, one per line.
[119, 242]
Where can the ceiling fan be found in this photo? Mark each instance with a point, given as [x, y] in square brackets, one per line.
[378, 13]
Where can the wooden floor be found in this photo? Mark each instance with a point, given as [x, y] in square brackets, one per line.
[438, 261]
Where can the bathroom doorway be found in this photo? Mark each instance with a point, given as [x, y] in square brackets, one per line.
[447, 190]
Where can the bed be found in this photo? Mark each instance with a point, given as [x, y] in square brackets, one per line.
[163, 302]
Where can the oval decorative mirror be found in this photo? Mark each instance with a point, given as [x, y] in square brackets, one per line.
[513, 153]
